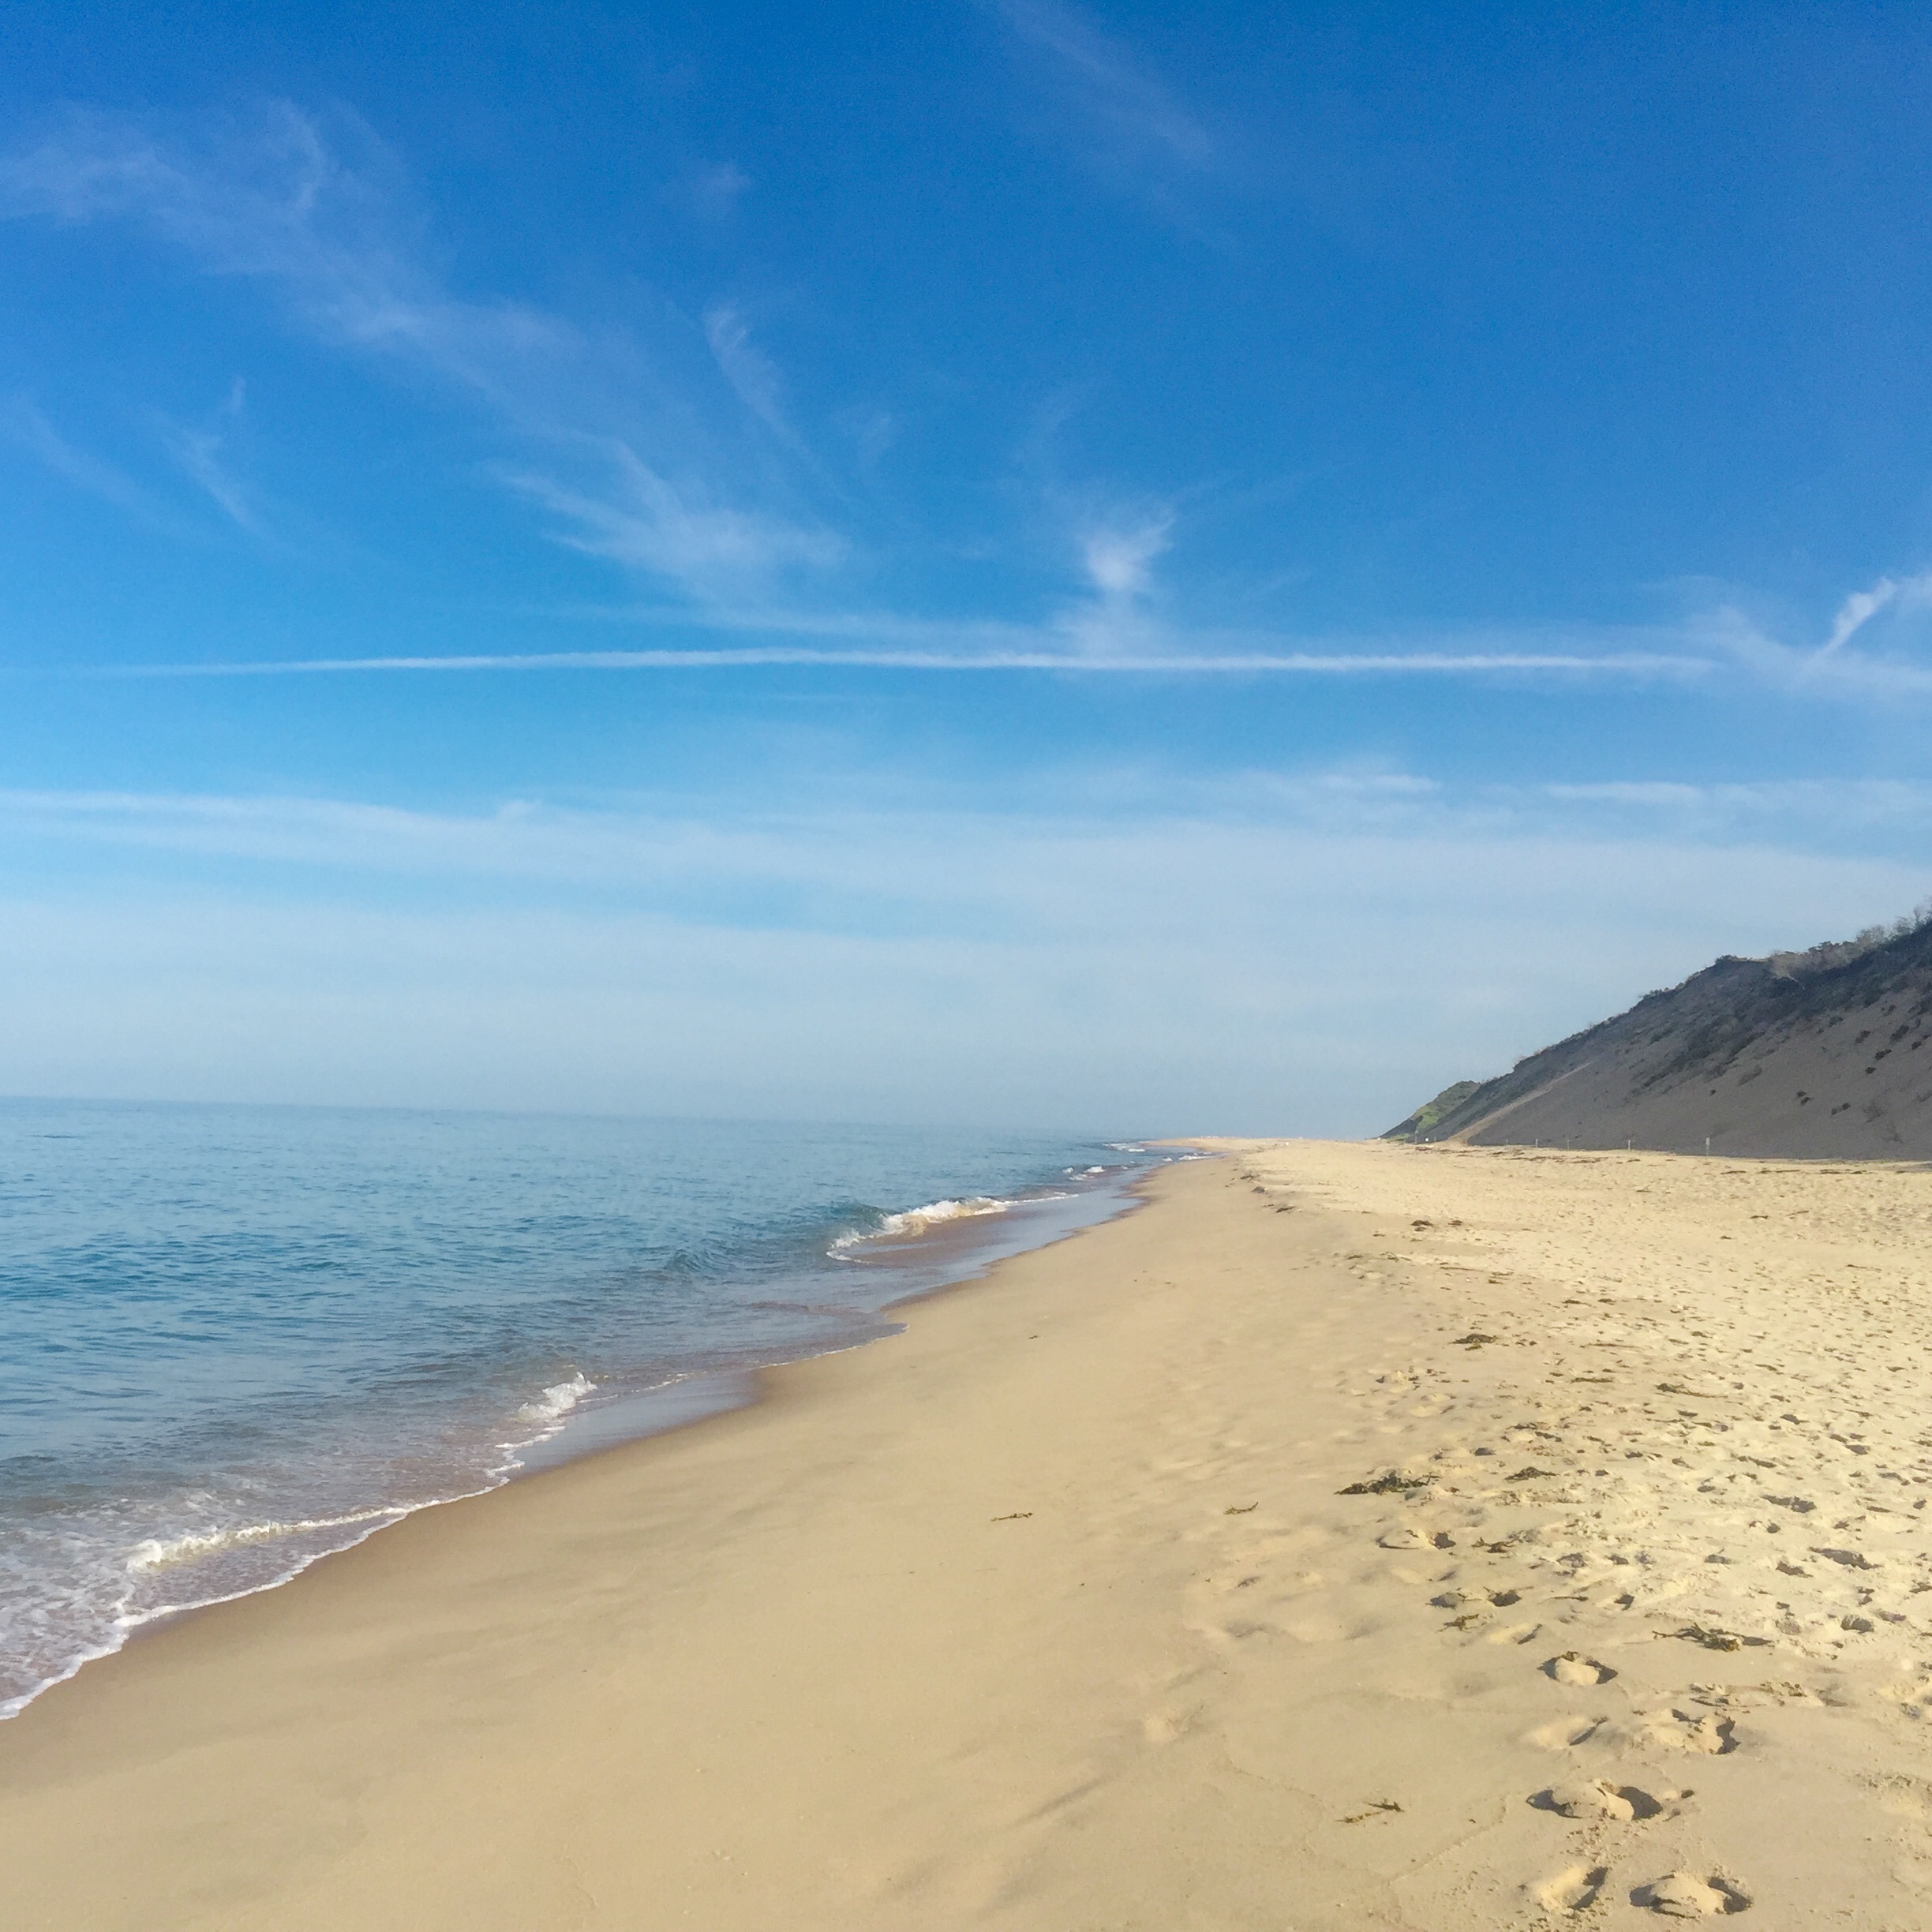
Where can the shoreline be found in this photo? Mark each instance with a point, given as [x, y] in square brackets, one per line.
[962, 1251]
[1184, 1573]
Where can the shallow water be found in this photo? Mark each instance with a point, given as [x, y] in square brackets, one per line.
[233, 1339]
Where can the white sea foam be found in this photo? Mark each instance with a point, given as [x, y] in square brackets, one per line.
[163, 1552]
[557, 1401]
[204, 1557]
[917, 1221]
[305, 1540]
[364, 1523]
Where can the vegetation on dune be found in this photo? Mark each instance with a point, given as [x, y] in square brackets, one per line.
[1843, 952]
[1431, 1111]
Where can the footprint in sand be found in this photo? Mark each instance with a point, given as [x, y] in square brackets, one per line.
[1403, 1537]
[1514, 1633]
[1564, 1733]
[1475, 1599]
[1572, 1891]
[1164, 1727]
[1574, 1668]
[1901, 1797]
[1683, 1895]
[1595, 1800]
[1707, 1733]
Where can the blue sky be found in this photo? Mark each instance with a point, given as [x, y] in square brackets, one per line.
[1138, 566]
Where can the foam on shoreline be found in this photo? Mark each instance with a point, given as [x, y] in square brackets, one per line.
[222, 1563]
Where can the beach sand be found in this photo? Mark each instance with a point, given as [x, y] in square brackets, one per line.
[1048, 1613]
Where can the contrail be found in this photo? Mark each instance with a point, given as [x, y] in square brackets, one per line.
[1305, 663]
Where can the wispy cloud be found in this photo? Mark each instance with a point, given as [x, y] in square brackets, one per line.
[846, 835]
[750, 372]
[325, 220]
[24, 424]
[1134, 116]
[200, 450]
[643, 521]
[270, 196]
[1873, 649]
[1119, 561]
[1257, 951]
[1861, 606]
[1117, 556]
[1867, 815]
[715, 191]
[618, 443]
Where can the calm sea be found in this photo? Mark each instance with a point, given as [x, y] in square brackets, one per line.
[234, 1339]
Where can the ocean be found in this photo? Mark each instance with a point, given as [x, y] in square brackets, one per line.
[235, 1339]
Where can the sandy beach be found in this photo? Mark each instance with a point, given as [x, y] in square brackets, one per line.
[1357, 1536]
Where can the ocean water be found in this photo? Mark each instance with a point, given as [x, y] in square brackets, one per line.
[233, 1339]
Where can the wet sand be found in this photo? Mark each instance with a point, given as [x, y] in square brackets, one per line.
[1050, 1613]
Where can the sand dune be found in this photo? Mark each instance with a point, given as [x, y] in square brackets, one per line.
[1359, 1536]
[1814, 1054]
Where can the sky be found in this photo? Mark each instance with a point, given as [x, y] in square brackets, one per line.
[1132, 567]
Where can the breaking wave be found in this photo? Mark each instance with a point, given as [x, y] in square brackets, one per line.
[914, 1222]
